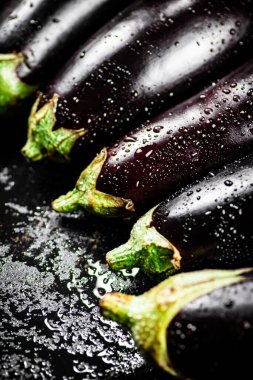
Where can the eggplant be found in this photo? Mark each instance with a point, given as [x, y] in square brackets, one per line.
[146, 165]
[153, 55]
[205, 225]
[196, 325]
[37, 38]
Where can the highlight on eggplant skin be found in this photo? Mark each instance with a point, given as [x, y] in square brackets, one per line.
[155, 54]
[206, 225]
[196, 325]
[36, 39]
[146, 165]
[207, 130]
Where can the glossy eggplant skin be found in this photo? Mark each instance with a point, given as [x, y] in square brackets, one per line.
[20, 20]
[212, 336]
[154, 55]
[208, 130]
[210, 222]
[48, 32]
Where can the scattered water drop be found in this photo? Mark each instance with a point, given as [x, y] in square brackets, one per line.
[208, 111]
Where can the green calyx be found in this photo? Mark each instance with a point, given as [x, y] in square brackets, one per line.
[12, 89]
[42, 140]
[86, 196]
[146, 249]
[148, 316]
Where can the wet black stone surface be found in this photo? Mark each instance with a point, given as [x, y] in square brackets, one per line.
[52, 274]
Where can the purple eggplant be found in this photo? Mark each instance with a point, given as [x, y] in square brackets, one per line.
[153, 55]
[205, 225]
[37, 38]
[197, 325]
[210, 129]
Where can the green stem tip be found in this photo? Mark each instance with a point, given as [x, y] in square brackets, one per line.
[146, 249]
[86, 196]
[149, 315]
[42, 140]
[12, 90]
[115, 307]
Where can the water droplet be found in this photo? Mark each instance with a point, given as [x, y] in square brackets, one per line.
[236, 98]
[51, 326]
[130, 139]
[226, 91]
[228, 182]
[228, 303]
[157, 128]
[139, 153]
[144, 152]
[208, 111]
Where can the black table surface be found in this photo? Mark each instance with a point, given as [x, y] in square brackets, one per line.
[52, 274]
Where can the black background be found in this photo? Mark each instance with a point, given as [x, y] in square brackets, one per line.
[52, 274]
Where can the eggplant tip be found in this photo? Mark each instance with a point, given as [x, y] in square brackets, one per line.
[115, 306]
[12, 90]
[122, 257]
[43, 141]
[85, 195]
[66, 203]
[146, 249]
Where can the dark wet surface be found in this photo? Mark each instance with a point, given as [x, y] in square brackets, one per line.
[52, 274]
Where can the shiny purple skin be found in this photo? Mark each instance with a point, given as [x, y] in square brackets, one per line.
[155, 54]
[20, 19]
[210, 221]
[212, 336]
[206, 131]
[48, 32]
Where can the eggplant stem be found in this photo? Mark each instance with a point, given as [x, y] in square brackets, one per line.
[116, 306]
[12, 89]
[86, 196]
[146, 249]
[42, 140]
